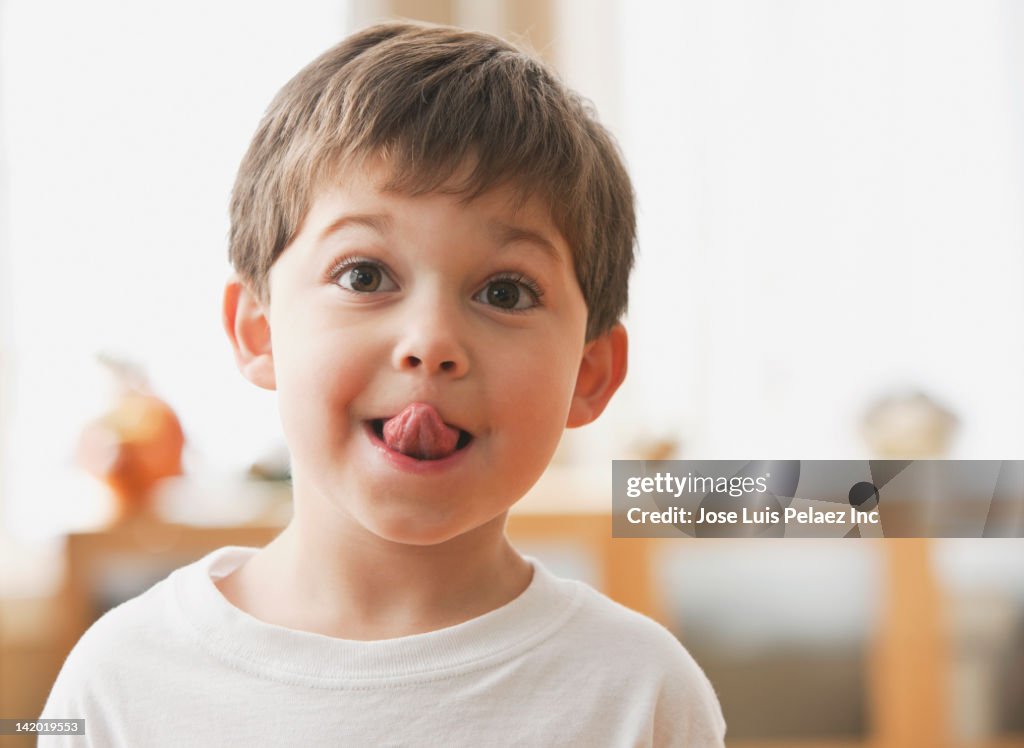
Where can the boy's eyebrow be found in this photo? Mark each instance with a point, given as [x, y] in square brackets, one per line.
[379, 222]
[505, 233]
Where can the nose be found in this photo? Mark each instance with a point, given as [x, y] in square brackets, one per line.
[431, 342]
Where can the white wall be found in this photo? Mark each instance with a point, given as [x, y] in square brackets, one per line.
[830, 204]
[123, 125]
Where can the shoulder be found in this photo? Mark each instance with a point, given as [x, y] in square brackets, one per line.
[599, 624]
[153, 620]
[131, 625]
[646, 658]
[601, 617]
[101, 662]
[136, 634]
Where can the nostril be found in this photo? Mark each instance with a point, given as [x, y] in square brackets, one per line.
[433, 365]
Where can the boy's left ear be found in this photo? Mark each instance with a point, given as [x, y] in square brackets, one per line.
[601, 372]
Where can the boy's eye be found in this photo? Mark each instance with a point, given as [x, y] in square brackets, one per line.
[514, 294]
[365, 277]
[503, 293]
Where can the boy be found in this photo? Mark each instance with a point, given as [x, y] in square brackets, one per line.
[432, 239]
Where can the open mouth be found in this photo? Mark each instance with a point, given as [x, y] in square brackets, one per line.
[420, 445]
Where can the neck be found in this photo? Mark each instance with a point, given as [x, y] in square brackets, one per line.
[341, 580]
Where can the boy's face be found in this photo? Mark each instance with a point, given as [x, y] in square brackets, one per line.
[385, 300]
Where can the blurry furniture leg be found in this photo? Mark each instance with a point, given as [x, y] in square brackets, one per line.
[910, 673]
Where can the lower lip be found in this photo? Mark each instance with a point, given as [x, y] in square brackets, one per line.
[409, 464]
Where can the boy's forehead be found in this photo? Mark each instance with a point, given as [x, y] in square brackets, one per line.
[508, 210]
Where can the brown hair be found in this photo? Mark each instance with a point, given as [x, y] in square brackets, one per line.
[431, 99]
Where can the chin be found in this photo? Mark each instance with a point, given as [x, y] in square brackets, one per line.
[418, 536]
[421, 531]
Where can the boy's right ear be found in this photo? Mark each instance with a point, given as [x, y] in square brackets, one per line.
[248, 327]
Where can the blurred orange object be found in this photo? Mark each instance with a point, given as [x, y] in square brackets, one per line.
[134, 445]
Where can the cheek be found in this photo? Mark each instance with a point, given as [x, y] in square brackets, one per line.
[534, 400]
[316, 382]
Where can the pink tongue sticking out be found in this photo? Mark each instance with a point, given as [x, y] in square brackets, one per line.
[418, 431]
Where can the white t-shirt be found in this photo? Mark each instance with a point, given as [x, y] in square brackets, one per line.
[560, 665]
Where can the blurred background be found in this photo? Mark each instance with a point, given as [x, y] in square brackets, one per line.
[831, 253]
